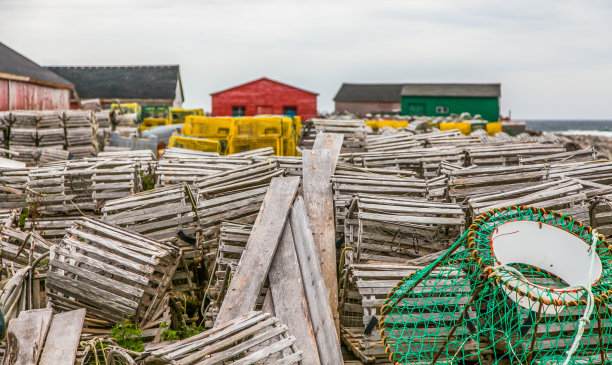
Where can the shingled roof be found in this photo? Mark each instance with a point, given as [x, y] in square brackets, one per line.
[370, 92]
[122, 82]
[14, 65]
[453, 90]
[394, 92]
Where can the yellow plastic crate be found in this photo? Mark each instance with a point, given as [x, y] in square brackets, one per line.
[208, 127]
[237, 145]
[196, 144]
[149, 123]
[494, 127]
[463, 127]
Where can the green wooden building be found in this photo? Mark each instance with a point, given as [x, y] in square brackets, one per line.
[443, 99]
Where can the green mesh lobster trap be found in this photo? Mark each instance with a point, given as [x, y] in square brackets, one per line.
[522, 286]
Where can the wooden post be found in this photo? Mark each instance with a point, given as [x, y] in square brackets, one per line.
[331, 142]
[320, 208]
[314, 287]
[288, 297]
[257, 257]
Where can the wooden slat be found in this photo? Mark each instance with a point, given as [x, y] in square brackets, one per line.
[255, 263]
[26, 336]
[318, 197]
[314, 288]
[63, 338]
[288, 296]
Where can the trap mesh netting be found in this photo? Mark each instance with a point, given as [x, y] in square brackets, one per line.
[521, 286]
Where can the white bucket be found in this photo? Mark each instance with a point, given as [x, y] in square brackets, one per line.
[549, 248]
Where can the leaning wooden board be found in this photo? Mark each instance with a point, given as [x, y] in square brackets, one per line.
[319, 201]
[260, 249]
[63, 338]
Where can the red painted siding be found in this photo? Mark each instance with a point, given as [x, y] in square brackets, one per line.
[27, 96]
[265, 97]
[4, 95]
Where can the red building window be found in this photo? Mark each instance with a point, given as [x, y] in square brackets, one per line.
[238, 111]
[290, 110]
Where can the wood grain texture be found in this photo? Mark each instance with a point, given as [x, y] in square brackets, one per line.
[314, 286]
[288, 296]
[63, 338]
[26, 337]
[318, 198]
[255, 262]
[331, 142]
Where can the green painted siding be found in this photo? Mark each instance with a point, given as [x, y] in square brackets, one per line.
[442, 106]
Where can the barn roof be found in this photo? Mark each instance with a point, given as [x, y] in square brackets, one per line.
[259, 80]
[122, 82]
[370, 92]
[453, 90]
[14, 65]
[394, 92]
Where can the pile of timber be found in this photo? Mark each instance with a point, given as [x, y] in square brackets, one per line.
[508, 154]
[473, 182]
[13, 181]
[80, 186]
[281, 250]
[41, 337]
[51, 227]
[19, 249]
[345, 187]
[424, 161]
[233, 238]
[252, 338]
[354, 131]
[565, 196]
[22, 135]
[396, 229]
[158, 214]
[187, 167]
[79, 133]
[50, 131]
[364, 290]
[234, 195]
[113, 273]
[586, 154]
[103, 122]
[4, 131]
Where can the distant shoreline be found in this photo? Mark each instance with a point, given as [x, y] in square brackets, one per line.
[601, 128]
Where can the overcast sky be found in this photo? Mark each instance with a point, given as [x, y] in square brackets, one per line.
[553, 58]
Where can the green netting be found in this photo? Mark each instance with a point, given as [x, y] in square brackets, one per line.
[466, 308]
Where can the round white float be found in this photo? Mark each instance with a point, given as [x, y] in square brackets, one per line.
[549, 248]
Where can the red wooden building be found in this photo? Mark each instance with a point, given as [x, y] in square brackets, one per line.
[24, 85]
[264, 96]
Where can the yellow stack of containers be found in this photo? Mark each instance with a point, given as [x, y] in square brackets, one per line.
[494, 127]
[378, 124]
[196, 144]
[243, 134]
[463, 127]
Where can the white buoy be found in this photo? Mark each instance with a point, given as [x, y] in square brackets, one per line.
[549, 248]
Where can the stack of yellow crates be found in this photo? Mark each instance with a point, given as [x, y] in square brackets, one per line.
[243, 134]
[196, 144]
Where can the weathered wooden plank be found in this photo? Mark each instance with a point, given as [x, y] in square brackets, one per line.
[63, 338]
[331, 142]
[288, 296]
[314, 287]
[25, 337]
[255, 262]
[318, 197]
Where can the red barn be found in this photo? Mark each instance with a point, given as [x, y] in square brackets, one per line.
[264, 96]
[27, 86]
